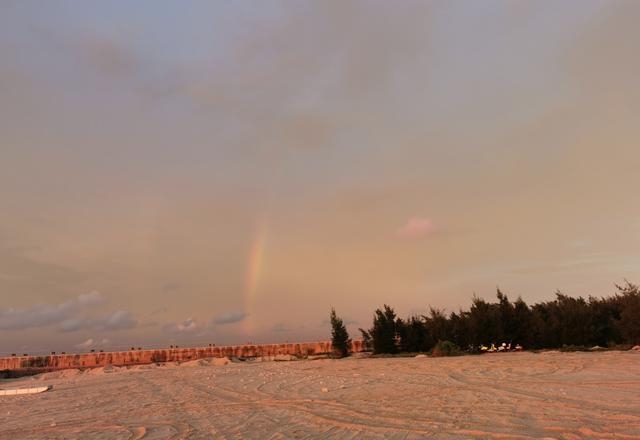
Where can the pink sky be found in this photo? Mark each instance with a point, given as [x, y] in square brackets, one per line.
[217, 173]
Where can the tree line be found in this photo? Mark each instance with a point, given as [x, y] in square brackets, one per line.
[562, 322]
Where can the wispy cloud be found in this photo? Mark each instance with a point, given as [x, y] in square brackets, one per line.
[72, 324]
[171, 286]
[229, 318]
[8, 276]
[85, 344]
[345, 321]
[118, 320]
[280, 328]
[69, 316]
[579, 262]
[109, 56]
[189, 325]
[91, 298]
[90, 343]
[44, 315]
[416, 227]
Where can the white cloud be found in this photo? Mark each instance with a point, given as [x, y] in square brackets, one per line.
[85, 344]
[91, 343]
[189, 325]
[91, 298]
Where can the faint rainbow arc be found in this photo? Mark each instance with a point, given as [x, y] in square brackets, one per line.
[255, 263]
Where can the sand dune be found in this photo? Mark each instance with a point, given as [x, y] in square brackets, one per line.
[515, 395]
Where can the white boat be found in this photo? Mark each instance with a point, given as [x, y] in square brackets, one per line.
[19, 391]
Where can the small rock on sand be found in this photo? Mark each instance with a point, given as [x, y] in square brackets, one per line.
[62, 374]
[362, 355]
[313, 357]
[220, 361]
[208, 362]
[104, 370]
[285, 357]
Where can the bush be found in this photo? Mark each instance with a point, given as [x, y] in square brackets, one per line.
[367, 340]
[445, 348]
[384, 331]
[339, 336]
[565, 323]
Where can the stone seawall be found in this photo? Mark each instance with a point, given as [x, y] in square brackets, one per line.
[24, 365]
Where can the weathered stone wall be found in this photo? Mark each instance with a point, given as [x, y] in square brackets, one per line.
[19, 365]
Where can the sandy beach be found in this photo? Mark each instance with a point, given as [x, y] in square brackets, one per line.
[516, 395]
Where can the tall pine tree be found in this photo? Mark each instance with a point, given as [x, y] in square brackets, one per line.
[339, 336]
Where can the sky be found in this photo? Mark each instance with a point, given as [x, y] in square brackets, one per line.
[195, 172]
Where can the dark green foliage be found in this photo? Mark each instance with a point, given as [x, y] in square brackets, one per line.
[566, 323]
[339, 335]
[412, 334]
[458, 326]
[485, 323]
[384, 333]
[367, 339]
[445, 348]
[437, 327]
[523, 324]
[628, 323]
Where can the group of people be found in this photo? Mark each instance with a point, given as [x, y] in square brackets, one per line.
[503, 347]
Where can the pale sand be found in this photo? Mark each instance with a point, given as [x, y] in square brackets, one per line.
[510, 395]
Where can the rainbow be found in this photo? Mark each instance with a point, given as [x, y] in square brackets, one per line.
[255, 263]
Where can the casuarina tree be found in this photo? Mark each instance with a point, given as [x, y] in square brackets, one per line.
[339, 335]
[384, 332]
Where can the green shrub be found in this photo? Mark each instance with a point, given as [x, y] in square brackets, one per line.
[445, 348]
[339, 337]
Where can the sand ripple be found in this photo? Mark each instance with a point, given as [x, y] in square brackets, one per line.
[515, 395]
